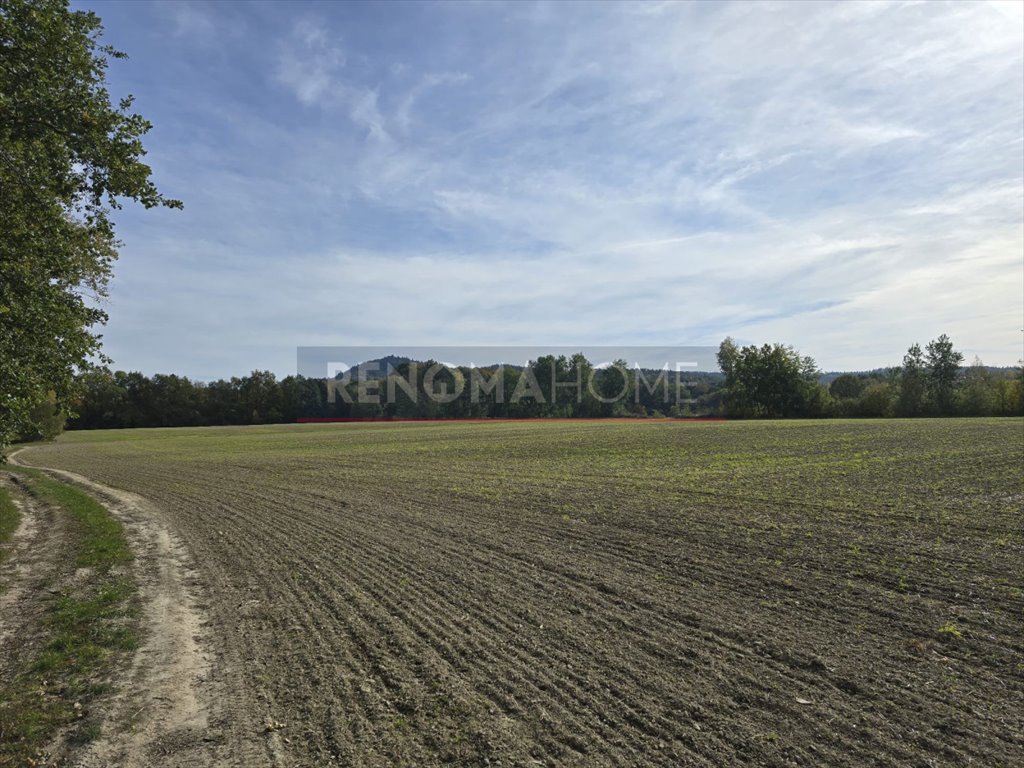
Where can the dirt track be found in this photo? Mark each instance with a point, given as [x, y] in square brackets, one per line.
[167, 704]
[34, 553]
[428, 597]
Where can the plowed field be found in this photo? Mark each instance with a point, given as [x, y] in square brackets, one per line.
[598, 593]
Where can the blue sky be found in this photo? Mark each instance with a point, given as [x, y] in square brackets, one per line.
[845, 178]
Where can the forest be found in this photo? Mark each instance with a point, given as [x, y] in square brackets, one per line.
[770, 381]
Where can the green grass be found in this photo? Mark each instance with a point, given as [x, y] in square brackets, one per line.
[102, 544]
[90, 619]
[950, 629]
[9, 519]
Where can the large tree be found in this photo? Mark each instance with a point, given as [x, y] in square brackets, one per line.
[943, 369]
[68, 158]
[771, 381]
[913, 378]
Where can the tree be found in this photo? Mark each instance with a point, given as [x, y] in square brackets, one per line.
[943, 368]
[728, 355]
[46, 422]
[68, 157]
[137, 409]
[260, 398]
[580, 370]
[771, 381]
[978, 397]
[1014, 396]
[100, 402]
[912, 378]
[174, 402]
[615, 386]
[875, 400]
[847, 386]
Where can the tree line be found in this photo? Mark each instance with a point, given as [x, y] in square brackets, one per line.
[547, 387]
[775, 381]
[769, 381]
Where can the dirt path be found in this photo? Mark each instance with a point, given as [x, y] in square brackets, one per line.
[173, 705]
[25, 576]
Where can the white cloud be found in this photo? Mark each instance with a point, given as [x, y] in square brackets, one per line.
[404, 113]
[190, 19]
[309, 62]
[845, 177]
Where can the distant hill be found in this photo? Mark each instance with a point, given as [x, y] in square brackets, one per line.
[389, 364]
[385, 366]
[382, 366]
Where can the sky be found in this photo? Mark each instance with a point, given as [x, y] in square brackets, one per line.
[846, 178]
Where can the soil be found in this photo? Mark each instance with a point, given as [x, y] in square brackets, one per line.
[337, 604]
[174, 704]
[169, 707]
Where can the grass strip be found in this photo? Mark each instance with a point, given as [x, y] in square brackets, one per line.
[102, 544]
[90, 622]
[9, 519]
